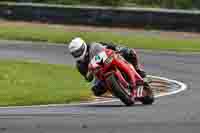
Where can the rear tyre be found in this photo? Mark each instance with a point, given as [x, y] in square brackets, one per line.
[149, 99]
[119, 92]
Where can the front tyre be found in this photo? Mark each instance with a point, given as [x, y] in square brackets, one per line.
[118, 91]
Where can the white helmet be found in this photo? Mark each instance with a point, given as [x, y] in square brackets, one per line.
[78, 48]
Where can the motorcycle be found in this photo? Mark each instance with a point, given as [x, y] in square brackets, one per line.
[121, 78]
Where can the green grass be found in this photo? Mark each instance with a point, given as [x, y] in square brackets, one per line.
[26, 83]
[58, 34]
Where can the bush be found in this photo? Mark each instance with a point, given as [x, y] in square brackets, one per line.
[110, 2]
[180, 4]
[91, 2]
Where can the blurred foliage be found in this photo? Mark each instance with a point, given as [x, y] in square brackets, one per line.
[176, 4]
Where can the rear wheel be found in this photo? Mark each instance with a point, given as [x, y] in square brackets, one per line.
[120, 92]
[149, 99]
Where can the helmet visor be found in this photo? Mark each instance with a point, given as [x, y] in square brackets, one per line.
[78, 52]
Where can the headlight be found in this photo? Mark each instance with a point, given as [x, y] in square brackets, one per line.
[109, 60]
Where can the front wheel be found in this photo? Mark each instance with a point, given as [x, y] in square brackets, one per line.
[118, 91]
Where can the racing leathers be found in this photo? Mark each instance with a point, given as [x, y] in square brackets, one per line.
[128, 54]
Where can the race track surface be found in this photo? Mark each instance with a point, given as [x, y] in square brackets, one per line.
[176, 114]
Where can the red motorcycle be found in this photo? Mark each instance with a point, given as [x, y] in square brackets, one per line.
[120, 77]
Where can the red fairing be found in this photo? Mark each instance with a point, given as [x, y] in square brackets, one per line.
[120, 77]
[102, 70]
[132, 74]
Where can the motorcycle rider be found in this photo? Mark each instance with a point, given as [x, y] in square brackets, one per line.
[81, 51]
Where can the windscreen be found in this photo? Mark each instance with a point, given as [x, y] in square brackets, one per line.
[95, 48]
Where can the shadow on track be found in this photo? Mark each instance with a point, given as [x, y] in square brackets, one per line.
[115, 106]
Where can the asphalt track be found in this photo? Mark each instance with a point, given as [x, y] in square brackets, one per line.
[177, 113]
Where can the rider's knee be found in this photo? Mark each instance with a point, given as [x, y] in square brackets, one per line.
[133, 54]
[133, 51]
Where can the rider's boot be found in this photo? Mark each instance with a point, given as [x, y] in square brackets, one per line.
[140, 71]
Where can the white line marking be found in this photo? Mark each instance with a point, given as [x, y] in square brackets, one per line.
[183, 87]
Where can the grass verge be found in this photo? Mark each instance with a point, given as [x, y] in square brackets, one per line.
[26, 83]
[59, 34]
